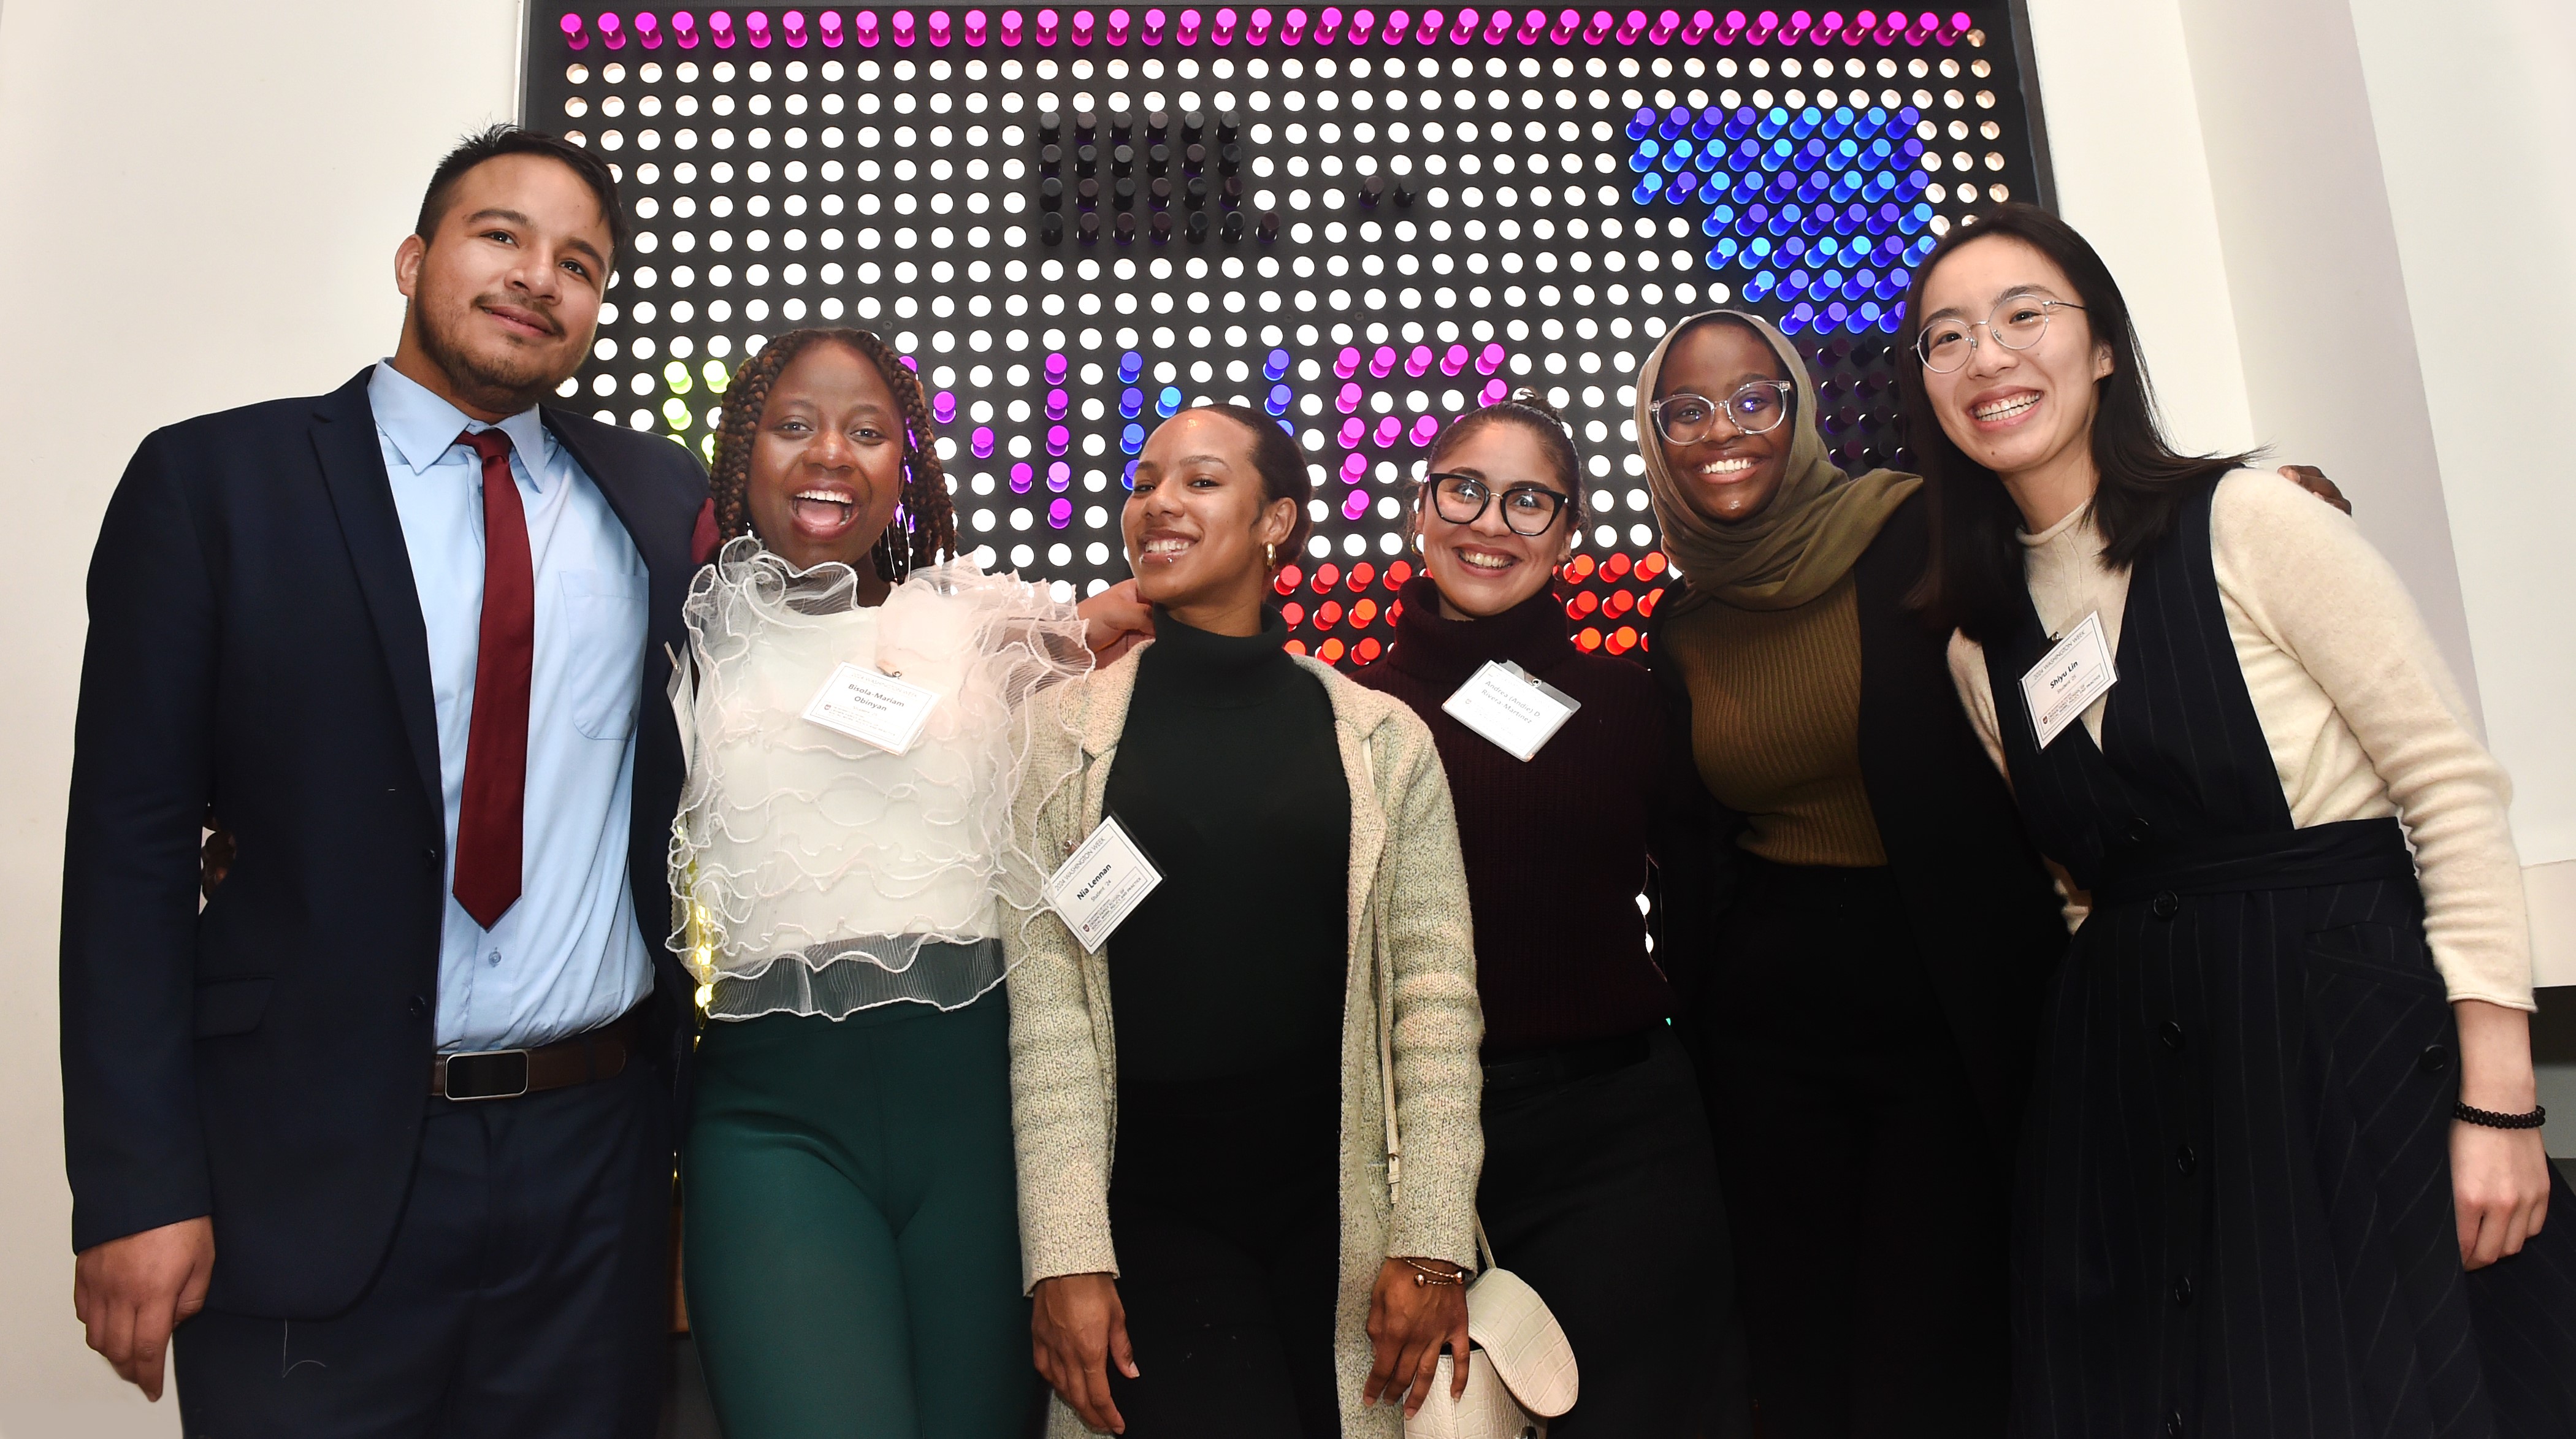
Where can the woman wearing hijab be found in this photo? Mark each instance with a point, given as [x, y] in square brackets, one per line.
[1866, 1011]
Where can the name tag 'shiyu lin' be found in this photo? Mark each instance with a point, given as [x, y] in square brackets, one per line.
[1507, 705]
[2068, 679]
[1094, 891]
[876, 708]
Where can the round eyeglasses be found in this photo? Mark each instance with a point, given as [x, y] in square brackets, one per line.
[1756, 409]
[1528, 510]
[2016, 323]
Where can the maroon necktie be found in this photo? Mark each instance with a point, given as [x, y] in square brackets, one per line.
[492, 820]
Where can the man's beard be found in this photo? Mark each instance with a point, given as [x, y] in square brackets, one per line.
[503, 388]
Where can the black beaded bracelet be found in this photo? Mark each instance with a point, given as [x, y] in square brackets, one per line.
[2492, 1120]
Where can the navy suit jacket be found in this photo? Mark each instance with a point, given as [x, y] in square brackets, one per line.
[256, 644]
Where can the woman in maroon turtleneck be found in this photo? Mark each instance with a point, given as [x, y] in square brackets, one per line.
[1599, 1188]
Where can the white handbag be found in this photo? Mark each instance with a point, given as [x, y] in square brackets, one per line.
[1522, 1372]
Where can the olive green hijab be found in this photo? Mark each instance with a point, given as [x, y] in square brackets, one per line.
[1805, 540]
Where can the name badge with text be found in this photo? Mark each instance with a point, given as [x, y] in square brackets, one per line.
[2068, 679]
[876, 708]
[1505, 704]
[1104, 881]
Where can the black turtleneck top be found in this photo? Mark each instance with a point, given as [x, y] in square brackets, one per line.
[1229, 777]
[1557, 847]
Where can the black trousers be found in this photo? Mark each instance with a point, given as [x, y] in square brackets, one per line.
[1225, 1209]
[526, 1292]
[1869, 1206]
[1601, 1192]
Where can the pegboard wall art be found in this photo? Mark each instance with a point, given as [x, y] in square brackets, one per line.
[1076, 221]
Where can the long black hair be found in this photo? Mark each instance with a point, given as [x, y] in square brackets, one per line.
[1975, 578]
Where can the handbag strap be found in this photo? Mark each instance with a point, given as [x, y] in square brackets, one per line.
[1386, 1058]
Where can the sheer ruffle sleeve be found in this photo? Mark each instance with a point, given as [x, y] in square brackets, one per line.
[812, 872]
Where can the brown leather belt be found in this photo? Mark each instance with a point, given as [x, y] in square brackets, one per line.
[508, 1073]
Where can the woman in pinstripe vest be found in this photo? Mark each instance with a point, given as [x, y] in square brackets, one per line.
[2283, 1175]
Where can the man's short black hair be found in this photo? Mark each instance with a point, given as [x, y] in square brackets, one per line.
[503, 140]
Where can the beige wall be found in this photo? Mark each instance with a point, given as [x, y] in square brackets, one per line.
[205, 220]
[233, 186]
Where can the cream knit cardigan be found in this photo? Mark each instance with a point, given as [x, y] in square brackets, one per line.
[1407, 910]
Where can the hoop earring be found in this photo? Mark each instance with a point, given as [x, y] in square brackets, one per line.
[894, 561]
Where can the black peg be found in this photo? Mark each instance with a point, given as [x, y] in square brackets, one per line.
[1232, 189]
[1086, 159]
[1194, 159]
[1159, 190]
[1050, 229]
[1371, 190]
[1157, 121]
[1085, 123]
[1403, 198]
[1269, 226]
[1196, 195]
[1088, 193]
[1126, 227]
[1192, 122]
[1227, 125]
[1229, 159]
[1088, 227]
[1158, 159]
[1050, 193]
[1198, 227]
[1125, 194]
[1233, 226]
[1161, 229]
[1049, 124]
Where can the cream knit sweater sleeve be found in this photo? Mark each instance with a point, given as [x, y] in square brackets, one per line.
[2361, 716]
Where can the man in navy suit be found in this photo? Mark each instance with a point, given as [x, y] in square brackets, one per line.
[394, 1110]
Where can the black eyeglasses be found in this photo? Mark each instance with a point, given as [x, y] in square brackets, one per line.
[1528, 510]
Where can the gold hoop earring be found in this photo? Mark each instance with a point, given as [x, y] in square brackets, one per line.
[1270, 554]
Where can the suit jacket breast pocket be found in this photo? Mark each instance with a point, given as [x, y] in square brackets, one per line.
[602, 646]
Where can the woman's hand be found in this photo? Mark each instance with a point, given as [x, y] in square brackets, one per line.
[2499, 1177]
[1079, 1328]
[1409, 1324]
[2314, 481]
[1114, 620]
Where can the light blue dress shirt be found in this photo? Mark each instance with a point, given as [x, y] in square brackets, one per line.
[568, 956]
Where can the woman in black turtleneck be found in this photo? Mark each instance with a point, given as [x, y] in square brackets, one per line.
[1600, 1186]
[1242, 1265]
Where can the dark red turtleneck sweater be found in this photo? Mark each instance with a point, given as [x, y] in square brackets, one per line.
[1557, 847]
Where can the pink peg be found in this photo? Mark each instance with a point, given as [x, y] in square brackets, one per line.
[1056, 402]
[1292, 27]
[1118, 27]
[1732, 29]
[1347, 399]
[829, 27]
[1156, 22]
[1599, 29]
[1362, 22]
[1493, 392]
[1057, 438]
[1922, 28]
[1463, 29]
[1498, 27]
[574, 37]
[1795, 29]
[1959, 24]
[1428, 28]
[1327, 21]
[1354, 464]
[648, 29]
[1082, 27]
[1665, 26]
[1347, 363]
[1488, 361]
[1190, 28]
[1355, 504]
[1418, 363]
[1256, 28]
[1389, 430]
[904, 29]
[1382, 363]
[792, 25]
[1396, 23]
[939, 27]
[1889, 26]
[1222, 26]
[1453, 359]
[1700, 24]
[1569, 23]
[720, 28]
[1425, 429]
[863, 28]
[609, 33]
[684, 29]
[755, 28]
[1059, 476]
[982, 443]
[1353, 433]
[975, 27]
[1533, 25]
[1011, 27]
[1632, 25]
[1765, 25]
[1022, 477]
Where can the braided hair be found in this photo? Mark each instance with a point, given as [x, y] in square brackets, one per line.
[924, 515]
[1531, 412]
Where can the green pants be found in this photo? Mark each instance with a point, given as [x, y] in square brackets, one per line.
[853, 1226]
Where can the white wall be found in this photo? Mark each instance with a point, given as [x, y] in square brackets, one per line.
[204, 217]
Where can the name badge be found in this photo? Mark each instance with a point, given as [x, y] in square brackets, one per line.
[2068, 679]
[1511, 707]
[1104, 881]
[876, 708]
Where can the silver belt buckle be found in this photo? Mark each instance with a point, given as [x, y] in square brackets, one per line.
[492, 1079]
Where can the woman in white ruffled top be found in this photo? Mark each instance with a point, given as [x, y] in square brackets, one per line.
[843, 869]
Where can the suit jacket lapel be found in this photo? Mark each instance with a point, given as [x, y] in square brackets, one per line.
[362, 497]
